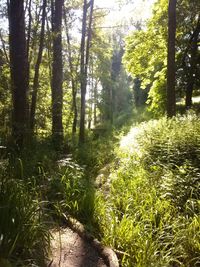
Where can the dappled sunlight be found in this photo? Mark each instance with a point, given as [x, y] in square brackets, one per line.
[154, 194]
[129, 142]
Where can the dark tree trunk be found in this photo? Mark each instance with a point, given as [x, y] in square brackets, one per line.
[85, 51]
[193, 64]
[19, 70]
[37, 69]
[29, 26]
[28, 6]
[171, 68]
[57, 73]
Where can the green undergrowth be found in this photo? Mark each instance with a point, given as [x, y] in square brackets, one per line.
[39, 186]
[151, 214]
[24, 234]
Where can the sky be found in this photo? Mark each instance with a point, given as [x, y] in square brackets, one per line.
[136, 10]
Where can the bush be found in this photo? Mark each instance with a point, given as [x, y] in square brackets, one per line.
[171, 152]
[151, 215]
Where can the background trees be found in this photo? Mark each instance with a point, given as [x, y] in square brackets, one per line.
[146, 53]
[78, 75]
[83, 70]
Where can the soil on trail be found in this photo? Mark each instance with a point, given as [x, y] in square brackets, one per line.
[70, 250]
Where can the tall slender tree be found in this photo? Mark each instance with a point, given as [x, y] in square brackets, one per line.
[19, 70]
[37, 69]
[74, 80]
[82, 74]
[171, 67]
[85, 52]
[57, 72]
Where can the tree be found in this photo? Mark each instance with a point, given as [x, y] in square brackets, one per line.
[57, 72]
[37, 69]
[191, 55]
[171, 68]
[72, 73]
[145, 57]
[19, 70]
[146, 52]
[85, 50]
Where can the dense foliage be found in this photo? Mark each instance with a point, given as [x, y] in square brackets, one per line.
[153, 203]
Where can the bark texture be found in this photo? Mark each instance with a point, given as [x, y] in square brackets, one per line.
[57, 72]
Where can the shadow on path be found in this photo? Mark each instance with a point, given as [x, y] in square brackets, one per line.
[70, 250]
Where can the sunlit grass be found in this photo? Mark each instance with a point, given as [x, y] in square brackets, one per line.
[129, 143]
[151, 215]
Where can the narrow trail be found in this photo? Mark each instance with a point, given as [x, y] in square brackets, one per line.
[70, 250]
[74, 247]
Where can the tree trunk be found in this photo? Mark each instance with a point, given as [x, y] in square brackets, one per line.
[95, 103]
[171, 68]
[193, 64]
[19, 70]
[85, 50]
[57, 73]
[74, 124]
[73, 81]
[74, 89]
[29, 26]
[82, 74]
[111, 105]
[37, 69]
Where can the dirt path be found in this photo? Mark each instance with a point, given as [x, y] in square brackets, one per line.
[70, 250]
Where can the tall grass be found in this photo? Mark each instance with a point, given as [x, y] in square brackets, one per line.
[151, 214]
[24, 235]
[70, 191]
